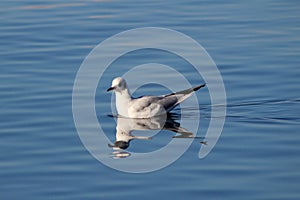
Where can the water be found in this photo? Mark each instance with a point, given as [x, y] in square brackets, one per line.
[255, 46]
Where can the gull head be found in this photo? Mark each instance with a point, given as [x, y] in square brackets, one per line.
[118, 85]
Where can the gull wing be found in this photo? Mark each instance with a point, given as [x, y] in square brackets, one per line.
[149, 106]
[145, 107]
[170, 101]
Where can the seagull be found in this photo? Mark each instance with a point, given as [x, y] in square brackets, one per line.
[146, 106]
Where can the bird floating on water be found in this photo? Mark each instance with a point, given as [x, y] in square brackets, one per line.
[146, 106]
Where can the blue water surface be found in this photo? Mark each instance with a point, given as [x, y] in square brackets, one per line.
[255, 46]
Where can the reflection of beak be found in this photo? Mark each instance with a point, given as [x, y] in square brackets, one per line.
[109, 89]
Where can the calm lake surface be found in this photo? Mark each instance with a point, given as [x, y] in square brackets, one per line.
[255, 46]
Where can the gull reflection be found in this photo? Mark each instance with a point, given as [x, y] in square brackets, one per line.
[125, 127]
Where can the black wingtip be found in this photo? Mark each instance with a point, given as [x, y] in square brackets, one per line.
[187, 91]
[199, 86]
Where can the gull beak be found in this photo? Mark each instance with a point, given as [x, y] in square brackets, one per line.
[109, 89]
